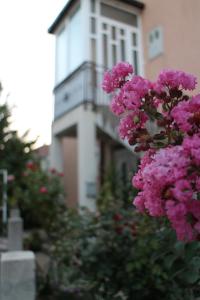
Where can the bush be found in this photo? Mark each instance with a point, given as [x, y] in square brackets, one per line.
[39, 197]
[116, 255]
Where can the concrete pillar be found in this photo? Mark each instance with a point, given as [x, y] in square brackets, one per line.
[87, 160]
[15, 231]
[56, 160]
[17, 280]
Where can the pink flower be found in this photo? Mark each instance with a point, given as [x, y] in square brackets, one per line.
[177, 79]
[182, 190]
[117, 106]
[116, 77]
[43, 190]
[130, 123]
[11, 178]
[168, 188]
[139, 202]
[191, 146]
[187, 114]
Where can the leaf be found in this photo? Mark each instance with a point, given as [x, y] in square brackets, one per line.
[169, 260]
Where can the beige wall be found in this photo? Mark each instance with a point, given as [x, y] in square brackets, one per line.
[181, 25]
[69, 151]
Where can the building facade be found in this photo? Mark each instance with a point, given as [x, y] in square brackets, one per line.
[91, 36]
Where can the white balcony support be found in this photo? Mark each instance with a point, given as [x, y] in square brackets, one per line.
[56, 160]
[87, 167]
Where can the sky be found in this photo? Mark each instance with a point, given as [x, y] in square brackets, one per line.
[27, 64]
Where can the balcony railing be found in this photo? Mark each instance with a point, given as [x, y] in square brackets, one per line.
[80, 87]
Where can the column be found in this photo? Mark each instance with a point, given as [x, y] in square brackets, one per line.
[87, 165]
[56, 160]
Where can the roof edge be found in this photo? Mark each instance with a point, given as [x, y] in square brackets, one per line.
[64, 11]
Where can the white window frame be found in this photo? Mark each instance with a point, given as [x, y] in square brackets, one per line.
[128, 37]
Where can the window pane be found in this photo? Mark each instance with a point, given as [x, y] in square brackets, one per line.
[134, 39]
[114, 54]
[122, 31]
[105, 50]
[118, 15]
[93, 25]
[113, 33]
[135, 61]
[104, 26]
[93, 6]
[93, 50]
[75, 41]
[61, 55]
[123, 51]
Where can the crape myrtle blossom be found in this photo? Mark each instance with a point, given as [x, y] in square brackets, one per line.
[170, 188]
[187, 114]
[177, 79]
[131, 122]
[114, 79]
[168, 178]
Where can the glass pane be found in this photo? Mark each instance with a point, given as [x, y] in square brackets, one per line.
[122, 31]
[75, 41]
[118, 15]
[134, 39]
[114, 54]
[93, 6]
[105, 50]
[93, 50]
[135, 61]
[61, 55]
[113, 33]
[104, 26]
[123, 52]
[93, 25]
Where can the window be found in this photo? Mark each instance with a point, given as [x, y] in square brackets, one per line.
[155, 42]
[61, 55]
[75, 41]
[118, 15]
[93, 25]
[93, 6]
[93, 49]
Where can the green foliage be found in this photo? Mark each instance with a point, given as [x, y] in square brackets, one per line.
[37, 193]
[121, 255]
[116, 191]
[39, 197]
[15, 151]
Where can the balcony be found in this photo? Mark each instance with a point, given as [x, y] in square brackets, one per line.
[81, 87]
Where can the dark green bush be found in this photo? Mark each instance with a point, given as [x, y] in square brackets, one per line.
[120, 255]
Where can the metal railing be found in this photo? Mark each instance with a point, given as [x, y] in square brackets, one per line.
[81, 86]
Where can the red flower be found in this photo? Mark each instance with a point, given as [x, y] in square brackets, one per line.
[31, 166]
[53, 171]
[119, 230]
[117, 217]
[43, 190]
[61, 174]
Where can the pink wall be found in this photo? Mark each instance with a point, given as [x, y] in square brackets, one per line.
[181, 24]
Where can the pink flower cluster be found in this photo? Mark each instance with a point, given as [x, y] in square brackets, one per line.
[116, 77]
[131, 122]
[131, 95]
[177, 79]
[187, 114]
[169, 178]
[169, 187]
